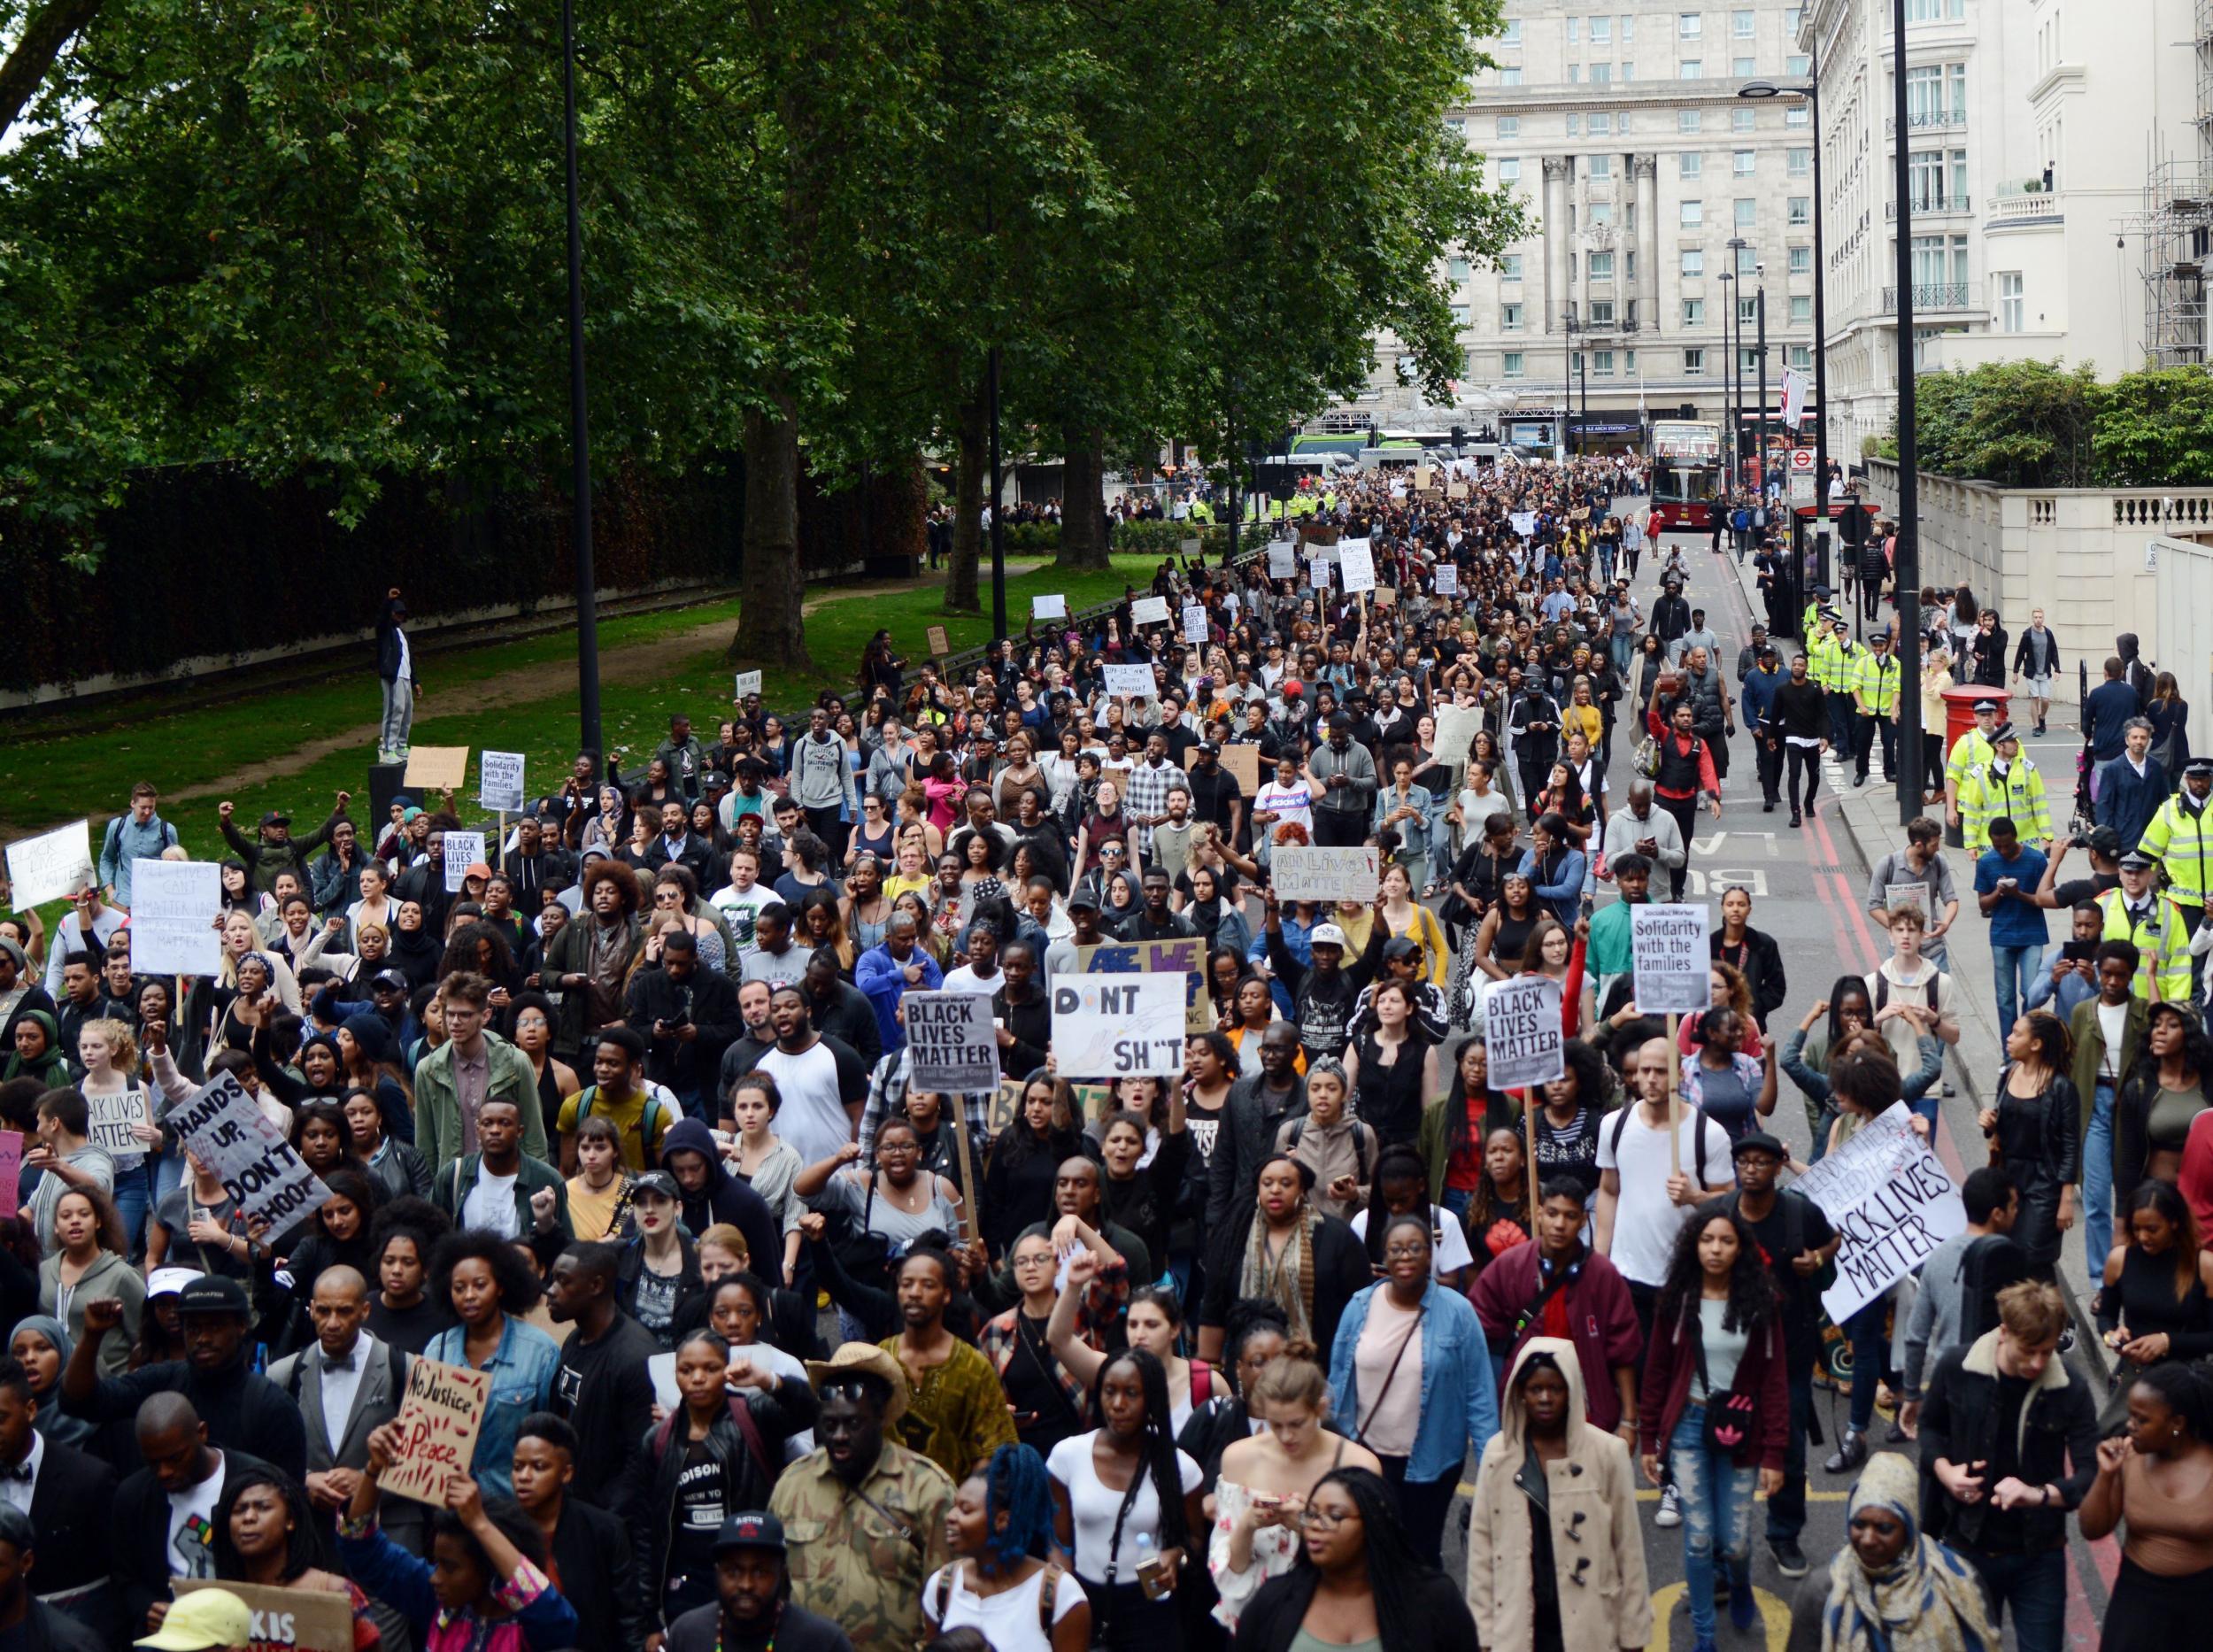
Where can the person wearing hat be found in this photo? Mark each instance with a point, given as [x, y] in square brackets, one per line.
[2177, 838]
[1968, 750]
[1892, 1588]
[2007, 786]
[2132, 787]
[1877, 681]
[866, 1515]
[2138, 913]
[754, 1611]
[274, 849]
[205, 1620]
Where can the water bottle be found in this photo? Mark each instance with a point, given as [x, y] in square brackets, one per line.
[1149, 1570]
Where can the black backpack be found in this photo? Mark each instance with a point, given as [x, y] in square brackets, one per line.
[1988, 1266]
[1621, 1124]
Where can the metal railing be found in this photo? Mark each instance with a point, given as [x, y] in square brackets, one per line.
[1924, 120]
[1930, 205]
[1944, 295]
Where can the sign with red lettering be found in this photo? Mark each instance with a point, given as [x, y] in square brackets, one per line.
[438, 1422]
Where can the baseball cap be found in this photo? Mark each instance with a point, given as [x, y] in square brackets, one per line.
[1759, 1141]
[655, 1182]
[1293, 688]
[756, 1530]
[1084, 900]
[276, 817]
[1326, 935]
[201, 1621]
[388, 977]
[476, 868]
[211, 1294]
[169, 1281]
[2104, 840]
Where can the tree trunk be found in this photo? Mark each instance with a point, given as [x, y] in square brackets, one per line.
[46, 32]
[971, 459]
[1083, 547]
[769, 626]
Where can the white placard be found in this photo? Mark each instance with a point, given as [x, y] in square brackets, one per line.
[952, 1042]
[1914, 895]
[111, 1117]
[1194, 624]
[1890, 1199]
[1054, 606]
[1457, 727]
[1669, 960]
[1318, 575]
[1302, 872]
[461, 848]
[1283, 559]
[1135, 681]
[1522, 1031]
[1447, 581]
[247, 1153]
[1524, 523]
[499, 782]
[662, 1368]
[1149, 611]
[53, 866]
[747, 683]
[173, 905]
[1358, 563]
[1113, 1026]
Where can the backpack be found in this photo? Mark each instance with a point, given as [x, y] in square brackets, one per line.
[648, 1116]
[115, 835]
[1047, 1593]
[1359, 1144]
[1883, 986]
[1987, 1266]
[1621, 1124]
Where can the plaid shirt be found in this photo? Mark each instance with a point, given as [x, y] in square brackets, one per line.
[1102, 1303]
[887, 1099]
[1147, 789]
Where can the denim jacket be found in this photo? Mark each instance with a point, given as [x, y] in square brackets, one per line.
[521, 1368]
[1459, 1395]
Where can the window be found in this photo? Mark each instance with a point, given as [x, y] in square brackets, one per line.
[1575, 363]
[1601, 312]
[1456, 271]
[1509, 125]
[1601, 267]
[1629, 73]
[1509, 317]
[1601, 212]
[1511, 33]
[1741, 162]
[1602, 126]
[1935, 11]
[1801, 357]
[1631, 272]
[1747, 263]
[2010, 302]
[1740, 24]
[1796, 115]
[1748, 310]
[1575, 74]
[1510, 169]
[1575, 125]
[1510, 365]
[1691, 214]
[1629, 359]
[1601, 165]
[1575, 31]
[1801, 309]
[1689, 26]
[1694, 312]
[1801, 261]
[1747, 214]
[1801, 163]
[1939, 260]
[1510, 267]
[1629, 30]
[1743, 69]
[1741, 120]
[1797, 64]
[1802, 209]
[1955, 88]
[1959, 174]
[1686, 119]
[1748, 360]
[1601, 74]
[1794, 19]
[1601, 31]
[1510, 76]
[1693, 261]
[1690, 164]
[1694, 364]
[1689, 69]
[1602, 364]
[1460, 315]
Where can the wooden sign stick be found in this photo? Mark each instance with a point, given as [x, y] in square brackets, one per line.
[1675, 1106]
[971, 1226]
[1529, 1175]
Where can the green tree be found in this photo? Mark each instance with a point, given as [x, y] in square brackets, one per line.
[2154, 428]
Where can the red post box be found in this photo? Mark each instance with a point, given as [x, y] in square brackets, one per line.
[1959, 717]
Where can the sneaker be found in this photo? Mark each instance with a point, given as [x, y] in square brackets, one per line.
[1670, 1511]
[1851, 1452]
[1790, 1560]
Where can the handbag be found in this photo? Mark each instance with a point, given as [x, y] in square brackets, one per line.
[1645, 758]
[1729, 1416]
[1420, 1313]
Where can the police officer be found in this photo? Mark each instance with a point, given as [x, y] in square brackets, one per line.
[1874, 685]
[2176, 838]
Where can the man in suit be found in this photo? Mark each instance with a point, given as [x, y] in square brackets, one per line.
[165, 1513]
[346, 1385]
[26, 1621]
[590, 1548]
[70, 1497]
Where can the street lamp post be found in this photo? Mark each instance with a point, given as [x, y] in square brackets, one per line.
[1728, 376]
[1760, 438]
[1909, 558]
[579, 428]
[1737, 245]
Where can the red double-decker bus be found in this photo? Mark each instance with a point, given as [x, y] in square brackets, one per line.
[1686, 473]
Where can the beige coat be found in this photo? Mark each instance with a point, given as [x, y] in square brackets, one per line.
[1592, 1490]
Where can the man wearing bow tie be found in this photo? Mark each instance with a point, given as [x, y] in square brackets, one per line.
[70, 1497]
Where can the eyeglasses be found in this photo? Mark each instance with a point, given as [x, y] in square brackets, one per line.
[1404, 1253]
[1044, 1261]
[1324, 1519]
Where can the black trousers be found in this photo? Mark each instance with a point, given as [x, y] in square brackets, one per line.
[1863, 733]
[1340, 829]
[1807, 759]
[1771, 759]
[1684, 812]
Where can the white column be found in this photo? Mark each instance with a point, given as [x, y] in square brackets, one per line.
[1559, 170]
[1646, 169]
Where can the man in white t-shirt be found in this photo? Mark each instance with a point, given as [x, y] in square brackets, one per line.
[1644, 1201]
[822, 1080]
[742, 899]
[1911, 996]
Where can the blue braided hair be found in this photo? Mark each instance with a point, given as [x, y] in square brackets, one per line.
[1015, 1485]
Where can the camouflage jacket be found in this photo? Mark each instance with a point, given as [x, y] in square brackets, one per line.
[863, 1567]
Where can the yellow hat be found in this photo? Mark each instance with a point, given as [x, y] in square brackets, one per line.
[201, 1622]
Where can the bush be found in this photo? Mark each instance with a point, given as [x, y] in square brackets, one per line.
[1034, 537]
[2035, 424]
[1151, 538]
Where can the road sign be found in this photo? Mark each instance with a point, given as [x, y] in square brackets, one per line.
[1801, 461]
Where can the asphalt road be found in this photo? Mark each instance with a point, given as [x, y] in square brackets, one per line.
[1807, 885]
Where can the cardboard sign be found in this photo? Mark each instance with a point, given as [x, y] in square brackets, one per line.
[285, 1620]
[1115, 1026]
[1189, 547]
[438, 767]
[1456, 490]
[1283, 560]
[1243, 763]
[1132, 681]
[1186, 957]
[939, 645]
[1006, 1105]
[1358, 563]
[1054, 606]
[1896, 896]
[1149, 611]
[1524, 523]
[1386, 596]
[1669, 960]
[1195, 624]
[1447, 581]
[173, 905]
[499, 780]
[438, 1422]
[1302, 872]
[1522, 1027]
[53, 866]
[1422, 474]
[952, 1042]
[461, 848]
[746, 682]
[112, 1117]
[1892, 1201]
[11, 1170]
[1457, 727]
[248, 1155]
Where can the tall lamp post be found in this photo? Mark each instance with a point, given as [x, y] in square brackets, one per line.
[1569, 329]
[1729, 378]
[1760, 414]
[1811, 92]
[1737, 246]
[579, 429]
[1907, 565]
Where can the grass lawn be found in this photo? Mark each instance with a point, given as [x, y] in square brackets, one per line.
[58, 767]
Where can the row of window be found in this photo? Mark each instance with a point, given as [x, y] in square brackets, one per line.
[1601, 31]
[1692, 263]
[1606, 123]
[1600, 364]
[1599, 312]
[1691, 163]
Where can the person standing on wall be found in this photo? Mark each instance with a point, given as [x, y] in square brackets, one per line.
[395, 665]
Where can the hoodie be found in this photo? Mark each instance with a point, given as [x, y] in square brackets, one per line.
[725, 1198]
[1590, 1536]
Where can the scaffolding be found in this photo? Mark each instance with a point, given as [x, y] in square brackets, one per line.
[2175, 223]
